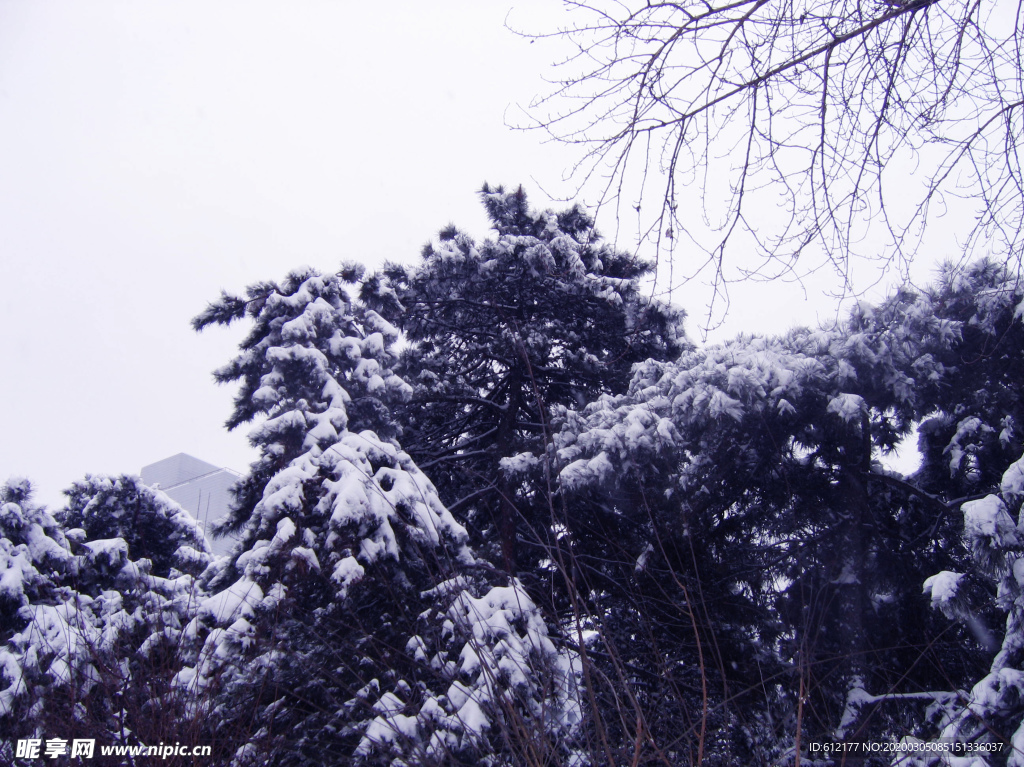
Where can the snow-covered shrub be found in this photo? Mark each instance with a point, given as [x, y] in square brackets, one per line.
[154, 527]
[88, 633]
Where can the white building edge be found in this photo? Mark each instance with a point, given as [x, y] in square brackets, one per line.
[199, 487]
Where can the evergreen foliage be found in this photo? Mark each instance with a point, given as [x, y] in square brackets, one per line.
[501, 333]
[309, 367]
[153, 526]
[353, 619]
[746, 475]
[636, 551]
[89, 634]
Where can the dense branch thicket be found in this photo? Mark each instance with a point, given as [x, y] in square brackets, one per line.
[777, 137]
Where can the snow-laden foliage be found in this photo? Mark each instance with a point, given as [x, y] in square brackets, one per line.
[88, 631]
[308, 369]
[604, 546]
[797, 378]
[326, 635]
[745, 474]
[503, 330]
[499, 678]
[153, 526]
[975, 432]
[972, 446]
[992, 713]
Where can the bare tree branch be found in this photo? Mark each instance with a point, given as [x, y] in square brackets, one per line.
[760, 139]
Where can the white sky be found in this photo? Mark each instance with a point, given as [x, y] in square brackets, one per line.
[152, 153]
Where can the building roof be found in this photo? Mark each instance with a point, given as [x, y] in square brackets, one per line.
[175, 470]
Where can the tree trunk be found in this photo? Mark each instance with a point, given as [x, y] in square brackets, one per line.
[505, 447]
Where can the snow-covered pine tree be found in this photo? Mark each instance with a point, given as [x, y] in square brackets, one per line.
[502, 331]
[353, 623]
[976, 431]
[971, 443]
[739, 483]
[89, 634]
[309, 369]
[154, 527]
[988, 720]
[33, 549]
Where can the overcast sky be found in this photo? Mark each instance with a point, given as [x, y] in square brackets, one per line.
[153, 153]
